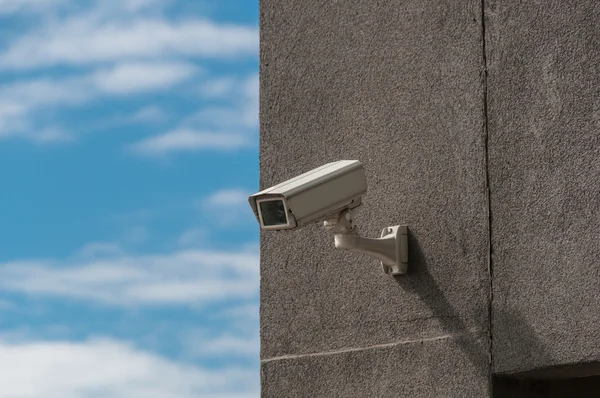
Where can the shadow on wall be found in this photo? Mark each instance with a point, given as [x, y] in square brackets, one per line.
[519, 349]
[584, 387]
[419, 281]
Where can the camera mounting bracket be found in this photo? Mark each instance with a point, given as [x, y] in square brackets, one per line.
[391, 249]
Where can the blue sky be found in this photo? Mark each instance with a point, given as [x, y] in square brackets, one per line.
[128, 146]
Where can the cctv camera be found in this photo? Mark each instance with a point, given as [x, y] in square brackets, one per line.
[317, 195]
[330, 193]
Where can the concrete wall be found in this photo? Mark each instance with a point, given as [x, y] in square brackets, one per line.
[397, 85]
[544, 145]
[401, 85]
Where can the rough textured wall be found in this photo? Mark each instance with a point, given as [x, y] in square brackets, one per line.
[397, 85]
[544, 144]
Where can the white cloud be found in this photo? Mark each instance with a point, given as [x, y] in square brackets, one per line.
[39, 6]
[219, 87]
[21, 101]
[15, 6]
[228, 197]
[232, 346]
[113, 48]
[27, 94]
[198, 344]
[219, 127]
[244, 311]
[140, 77]
[192, 277]
[49, 135]
[242, 318]
[136, 234]
[110, 368]
[11, 117]
[193, 237]
[93, 38]
[243, 110]
[136, 5]
[228, 206]
[222, 118]
[189, 140]
[251, 87]
[127, 78]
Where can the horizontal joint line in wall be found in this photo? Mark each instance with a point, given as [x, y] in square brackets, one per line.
[356, 349]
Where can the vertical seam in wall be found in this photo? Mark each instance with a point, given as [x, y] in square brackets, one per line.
[488, 191]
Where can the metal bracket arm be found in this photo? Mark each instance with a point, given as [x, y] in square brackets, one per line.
[391, 249]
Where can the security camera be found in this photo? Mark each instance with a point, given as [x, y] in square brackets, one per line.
[330, 194]
[320, 194]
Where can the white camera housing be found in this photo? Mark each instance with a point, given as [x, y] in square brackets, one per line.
[317, 195]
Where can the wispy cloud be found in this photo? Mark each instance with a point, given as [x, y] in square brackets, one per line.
[193, 237]
[26, 94]
[21, 100]
[219, 87]
[111, 368]
[227, 198]
[126, 78]
[102, 35]
[230, 126]
[232, 346]
[244, 311]
[71, 54]
[189, 140]
[227, 206]
[199, 344]
[136, 234]
[193, 277]
[17, 6]
[140, 77]
[243, 103]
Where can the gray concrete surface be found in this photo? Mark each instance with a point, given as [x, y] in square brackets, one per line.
[544, 145]
[437, 368]
[397, 85]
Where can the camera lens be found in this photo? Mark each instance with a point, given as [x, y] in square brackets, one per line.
[273, 212]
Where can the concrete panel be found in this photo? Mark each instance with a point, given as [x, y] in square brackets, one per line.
[427, 369]
[397, 85]
[544, 127]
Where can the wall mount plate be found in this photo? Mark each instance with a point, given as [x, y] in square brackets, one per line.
[399, 234]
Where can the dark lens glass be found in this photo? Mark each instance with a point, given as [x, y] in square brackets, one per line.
[273, 213]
